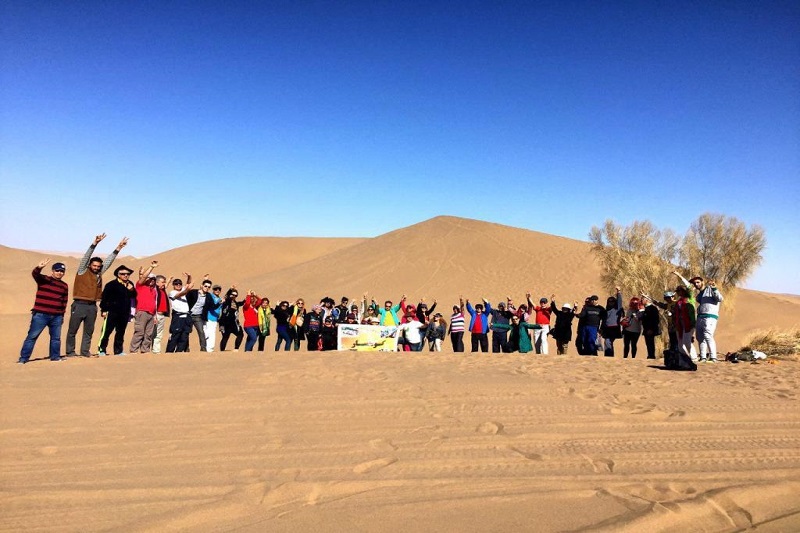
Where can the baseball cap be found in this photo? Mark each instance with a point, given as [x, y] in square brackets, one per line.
[59, 267]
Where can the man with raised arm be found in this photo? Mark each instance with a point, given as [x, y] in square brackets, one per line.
[87, 290]
[48, 310]
[146, 302]
[708, 300]
[181, 323]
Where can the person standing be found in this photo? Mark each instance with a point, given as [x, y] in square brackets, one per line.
[115, 308]
[593, 316]
[562, 330]
[611, 329]
[457, 326]
[212, 322]
[162, 312]
[479, 325]
[296, 322]
[200, 303]
[436, 332]
[87, 290]
[49, 306]
[229, 320]
[265, 313]
[651, 325]
[144, 320]
[312, 325]
[543, 312]
[685, 320]
[250, 315]
[500, 317]
[668, 306]
[410, 328]
[282, 316]
[707, 301]
[632, 327]
[388, 314]
[181, 324]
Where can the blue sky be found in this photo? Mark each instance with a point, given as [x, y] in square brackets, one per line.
[177, 122]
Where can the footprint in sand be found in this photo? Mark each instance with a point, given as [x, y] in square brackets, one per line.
[371, 466]
[525, 455]
[490, 428]
[382, 444]
[601, 466]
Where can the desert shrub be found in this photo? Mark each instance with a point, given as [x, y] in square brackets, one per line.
[641, 257]
[774, 342]
[722, 248]
[637, 258]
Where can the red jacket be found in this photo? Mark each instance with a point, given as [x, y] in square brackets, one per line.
[250, 313]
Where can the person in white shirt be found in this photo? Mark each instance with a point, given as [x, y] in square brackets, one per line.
[181, 323]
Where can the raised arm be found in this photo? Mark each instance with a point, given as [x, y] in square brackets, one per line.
[683, 280]
[113, 255]
[83, 265]
[144, 273]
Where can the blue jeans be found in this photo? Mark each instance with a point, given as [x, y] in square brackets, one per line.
[283, 335]
[39, 321]
[252, 337]
[590, 340]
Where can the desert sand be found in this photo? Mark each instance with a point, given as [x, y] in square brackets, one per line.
[336, 441]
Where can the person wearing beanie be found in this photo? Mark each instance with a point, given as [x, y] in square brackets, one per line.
[49, 306]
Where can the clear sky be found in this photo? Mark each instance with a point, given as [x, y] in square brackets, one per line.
[178, 122]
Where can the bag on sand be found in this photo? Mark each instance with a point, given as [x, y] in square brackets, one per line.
[677, 360]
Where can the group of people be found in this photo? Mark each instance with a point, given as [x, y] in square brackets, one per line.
[149, 301]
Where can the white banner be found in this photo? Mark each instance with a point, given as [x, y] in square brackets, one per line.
[362, 338]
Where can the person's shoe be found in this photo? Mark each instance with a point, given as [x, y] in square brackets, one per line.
[703, 360]
[101, 353]
[712, 360]
[58, 360]
[21, 362]
[121, 353]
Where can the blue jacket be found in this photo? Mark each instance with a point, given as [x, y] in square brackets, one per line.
[482, 318]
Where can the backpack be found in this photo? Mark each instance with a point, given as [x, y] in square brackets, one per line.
[677, 360]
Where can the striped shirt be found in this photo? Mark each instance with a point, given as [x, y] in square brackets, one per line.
[457, 323]
[51, 294]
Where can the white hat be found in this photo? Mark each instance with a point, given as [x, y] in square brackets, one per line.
[566, 305]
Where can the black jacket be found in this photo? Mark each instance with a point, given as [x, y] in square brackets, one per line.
[208, 305]
[116, 298]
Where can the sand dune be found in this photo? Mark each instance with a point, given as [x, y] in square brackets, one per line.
[385, 442]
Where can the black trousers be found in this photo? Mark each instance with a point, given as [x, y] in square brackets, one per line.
[500, 342]
[114, 322]
[457, 339]
[179, 328]
[226, 334]
[650, 343]
[480, 339]
[631, 339]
